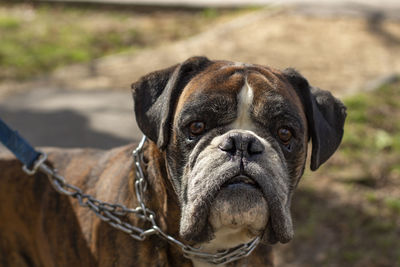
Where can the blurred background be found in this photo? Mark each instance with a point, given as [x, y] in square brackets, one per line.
[66, 69]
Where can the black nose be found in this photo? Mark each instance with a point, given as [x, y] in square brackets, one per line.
[244, 143]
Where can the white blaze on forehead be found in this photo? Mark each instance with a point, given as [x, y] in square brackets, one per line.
[236, 64]
[241, 64]
[245, 100]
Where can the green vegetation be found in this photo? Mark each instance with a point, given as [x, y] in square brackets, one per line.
[35, 39]
[372, 134]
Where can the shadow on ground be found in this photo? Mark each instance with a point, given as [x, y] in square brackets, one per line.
[61, 128]
[330, 233]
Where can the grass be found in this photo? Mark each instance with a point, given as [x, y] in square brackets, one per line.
[36, 39]
[372, 133]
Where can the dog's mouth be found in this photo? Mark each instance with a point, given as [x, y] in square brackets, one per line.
[221, 196]
[241, 180]
[239, 204]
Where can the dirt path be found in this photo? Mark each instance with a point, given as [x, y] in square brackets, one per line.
[341, 54]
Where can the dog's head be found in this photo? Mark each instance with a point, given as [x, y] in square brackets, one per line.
[235, 140]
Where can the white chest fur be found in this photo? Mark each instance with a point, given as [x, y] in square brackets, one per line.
[224, 238]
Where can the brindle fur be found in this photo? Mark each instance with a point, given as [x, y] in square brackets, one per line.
[40, 227]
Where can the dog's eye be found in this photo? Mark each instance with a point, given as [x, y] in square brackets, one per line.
[285, 135]
[197, 128]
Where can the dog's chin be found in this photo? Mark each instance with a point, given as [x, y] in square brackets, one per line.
[236, 206]
[241, 206]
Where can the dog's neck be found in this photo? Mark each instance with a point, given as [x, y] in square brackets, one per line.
[160, 196]
[161, 199]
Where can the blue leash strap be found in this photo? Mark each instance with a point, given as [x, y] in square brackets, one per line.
[21, 148]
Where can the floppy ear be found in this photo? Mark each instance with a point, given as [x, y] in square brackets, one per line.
[155, 96]
[325, 115]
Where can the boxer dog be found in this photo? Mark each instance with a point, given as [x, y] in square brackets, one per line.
[227, 145]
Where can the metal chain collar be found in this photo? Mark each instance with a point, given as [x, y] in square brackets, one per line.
[116, 214]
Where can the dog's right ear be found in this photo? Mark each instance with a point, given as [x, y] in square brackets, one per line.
[155, 96]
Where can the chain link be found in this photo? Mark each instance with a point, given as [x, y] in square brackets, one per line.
[116, 214]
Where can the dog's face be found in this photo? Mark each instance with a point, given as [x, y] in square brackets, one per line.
[238, 147]
[235, 138]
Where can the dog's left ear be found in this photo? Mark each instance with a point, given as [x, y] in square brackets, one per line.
[325, 115]
[156, 94]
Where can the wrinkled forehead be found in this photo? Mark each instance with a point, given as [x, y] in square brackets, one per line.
[226, 79]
